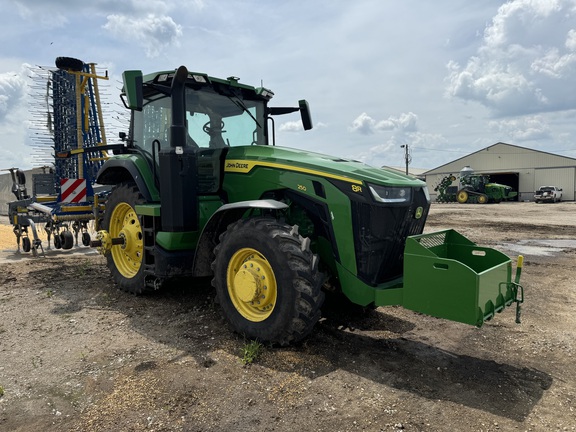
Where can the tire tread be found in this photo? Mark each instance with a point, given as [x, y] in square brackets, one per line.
[303, 264]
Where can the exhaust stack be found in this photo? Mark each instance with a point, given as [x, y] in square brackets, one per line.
[178, 169]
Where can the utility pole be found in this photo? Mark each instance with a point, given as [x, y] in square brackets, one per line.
[407, 156]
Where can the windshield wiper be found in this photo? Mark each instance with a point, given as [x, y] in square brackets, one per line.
[242, 105]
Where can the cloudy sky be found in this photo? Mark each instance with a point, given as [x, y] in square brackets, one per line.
[447, 77]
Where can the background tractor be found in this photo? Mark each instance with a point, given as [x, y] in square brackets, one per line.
[472, 188]
[200, 189]
[477, 188]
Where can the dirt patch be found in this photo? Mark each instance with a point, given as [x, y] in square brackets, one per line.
[78, 355]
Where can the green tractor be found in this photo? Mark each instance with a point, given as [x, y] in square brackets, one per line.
[477, 188]
[200, 189]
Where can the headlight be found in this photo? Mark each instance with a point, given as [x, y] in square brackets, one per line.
[391, 194]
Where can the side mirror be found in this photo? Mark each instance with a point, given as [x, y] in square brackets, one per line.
[305, 114]
[133, 88]
[302, 107]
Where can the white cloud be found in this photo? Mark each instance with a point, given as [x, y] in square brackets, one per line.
[12, 91]
[13, 115]
[291, 126]
[36, 8]
[406, 122]
[31, 11]
[402, 130]
[571, 40]
[389, 152]
[296, 126]
[152, 32]
[363, 124]
[522, 129]
[366, 125]
[526, 62]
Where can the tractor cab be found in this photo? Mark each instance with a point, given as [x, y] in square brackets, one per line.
[216, 113]
[476, 182]
[213, 120]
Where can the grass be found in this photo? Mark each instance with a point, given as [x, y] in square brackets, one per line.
[83, 268]
[251, 351]
[1, 391]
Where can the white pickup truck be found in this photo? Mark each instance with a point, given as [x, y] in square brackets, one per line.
[548, 194]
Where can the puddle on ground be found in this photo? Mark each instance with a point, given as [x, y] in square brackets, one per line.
[540, 247]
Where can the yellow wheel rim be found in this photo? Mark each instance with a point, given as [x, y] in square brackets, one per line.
[462, 196]
[124, 223]
[251, 284]
[482, 199]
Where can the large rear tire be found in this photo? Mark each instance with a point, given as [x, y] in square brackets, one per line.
[121, 220]
[267, 281]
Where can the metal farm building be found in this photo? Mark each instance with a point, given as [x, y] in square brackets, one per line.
[523, 169]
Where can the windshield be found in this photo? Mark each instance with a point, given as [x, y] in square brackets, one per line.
[212, 120]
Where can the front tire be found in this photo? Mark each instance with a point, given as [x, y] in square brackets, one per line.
[267, 281]
[121, 220]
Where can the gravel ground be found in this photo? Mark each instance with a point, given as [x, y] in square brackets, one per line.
[78, 355]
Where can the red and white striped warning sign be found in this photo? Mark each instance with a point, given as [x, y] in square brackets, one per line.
[72, 190]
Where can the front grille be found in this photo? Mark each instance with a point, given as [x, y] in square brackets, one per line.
[380, 235]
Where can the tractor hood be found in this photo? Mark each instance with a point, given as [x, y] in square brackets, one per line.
[245, 159]
[498, 185]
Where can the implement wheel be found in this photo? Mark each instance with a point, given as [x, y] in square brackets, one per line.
[267, 281]
[462, 196]
[69, 63]
[121, 220]
[57, 241]
[26, 244]
[67, 240]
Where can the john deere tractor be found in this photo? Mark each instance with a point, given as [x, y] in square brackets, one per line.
[201, 189]
[477, 188]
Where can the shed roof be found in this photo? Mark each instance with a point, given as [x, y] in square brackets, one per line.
[502, 148]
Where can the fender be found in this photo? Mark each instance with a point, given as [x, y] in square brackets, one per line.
[129, 168]
[218, 223]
